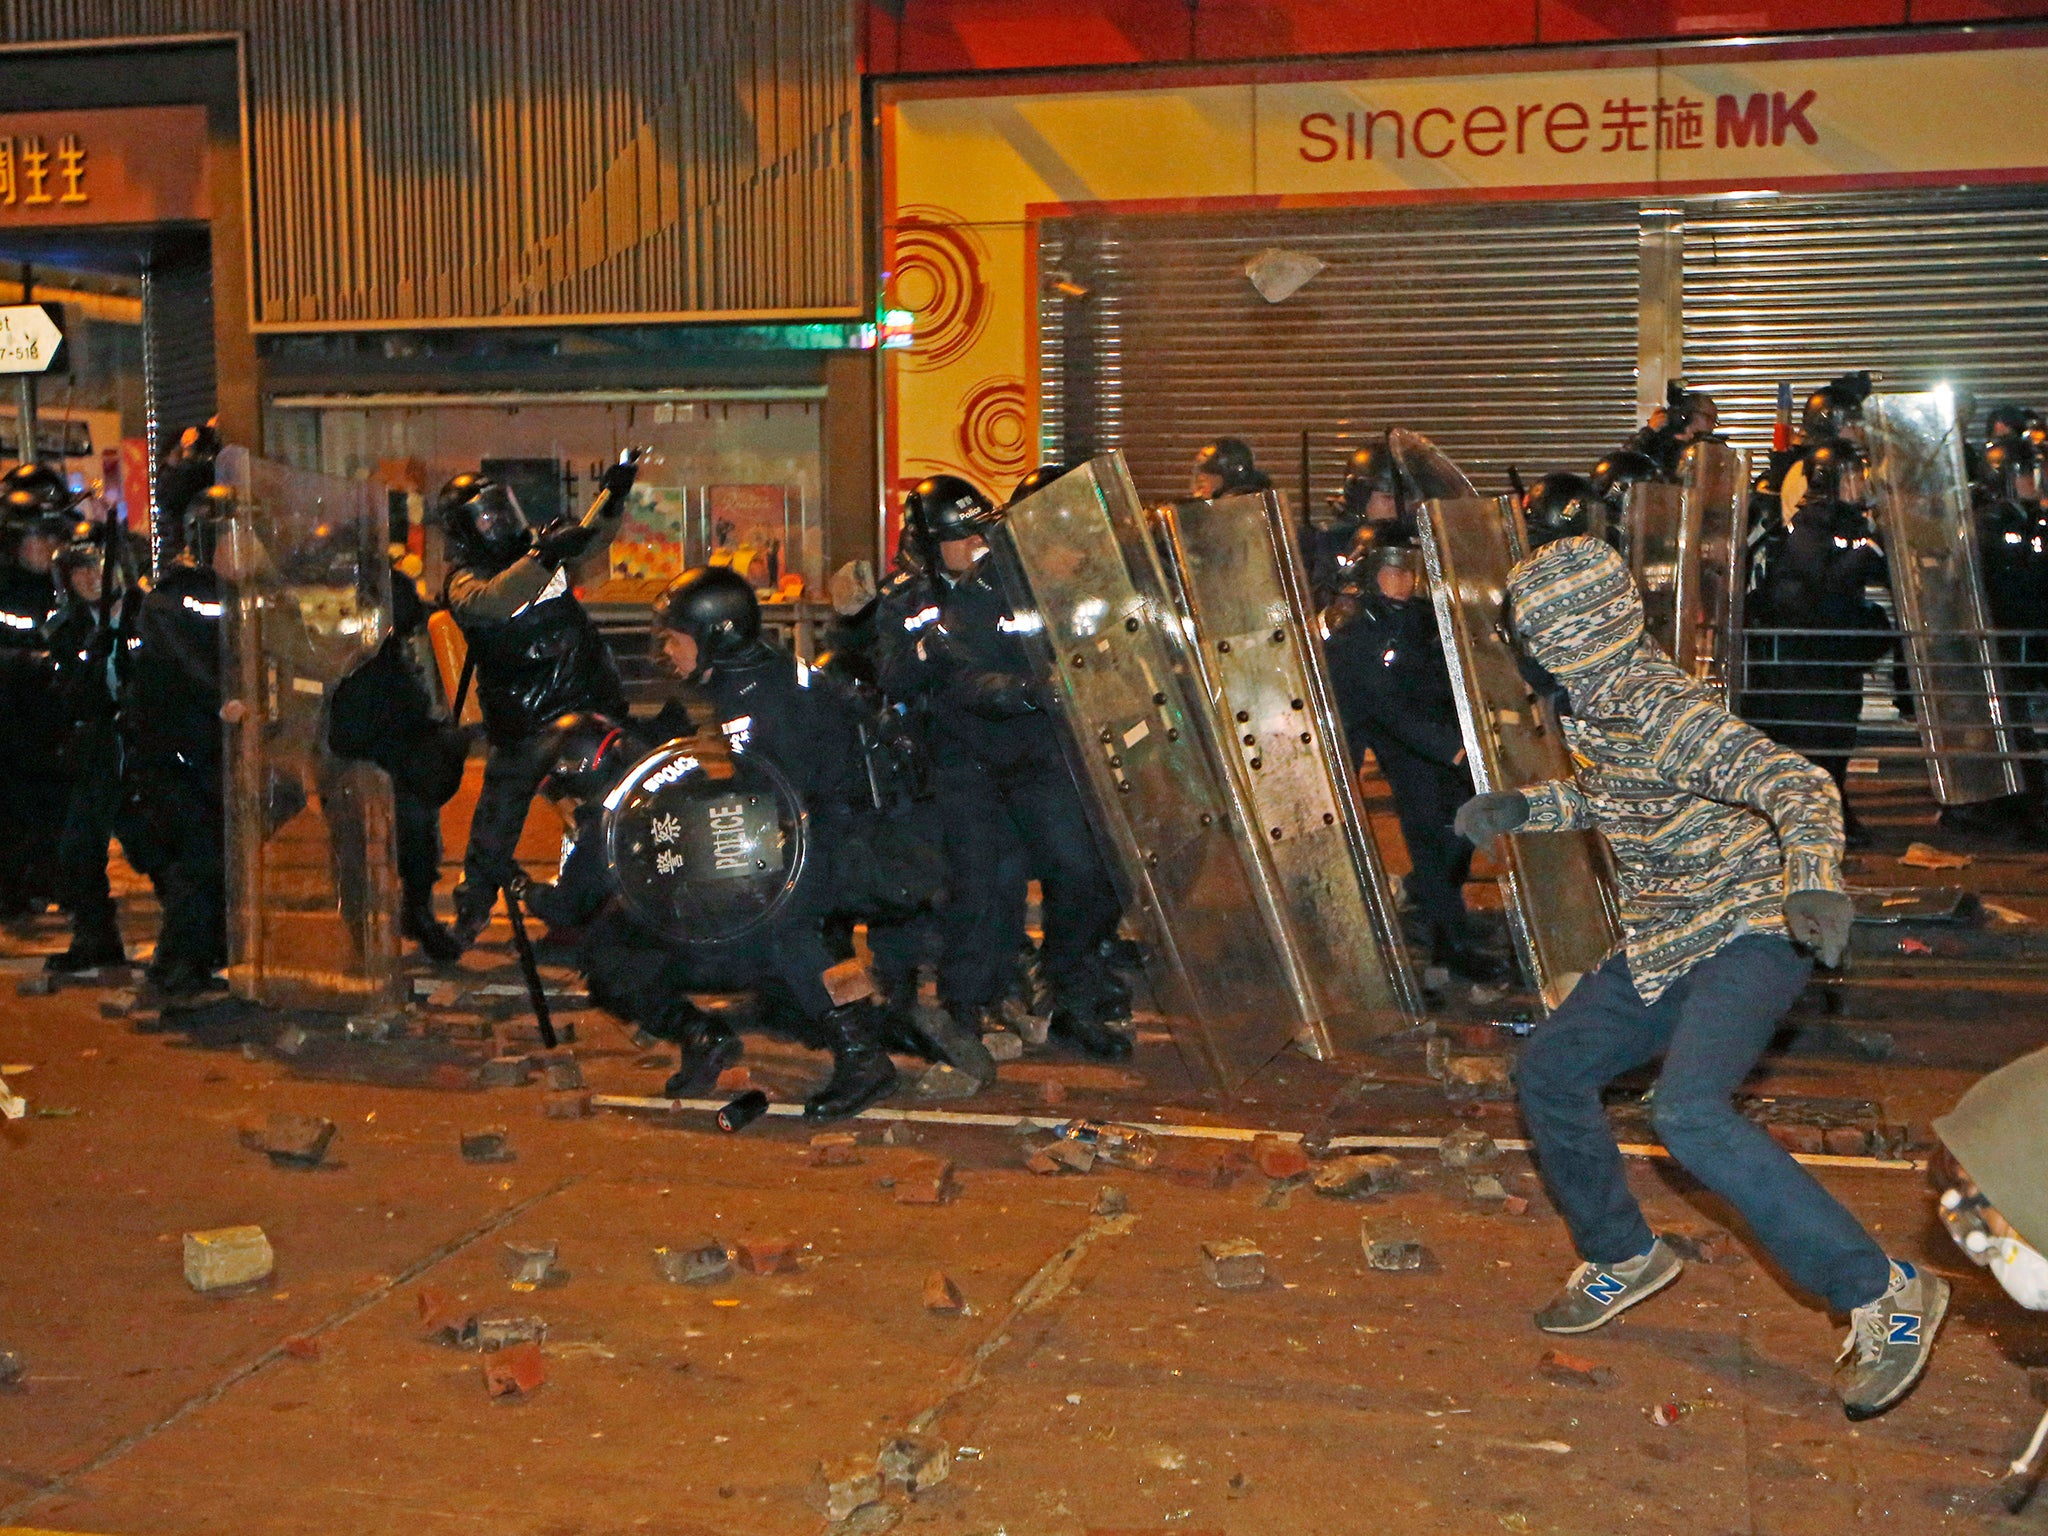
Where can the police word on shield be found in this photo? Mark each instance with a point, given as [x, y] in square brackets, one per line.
[29, 338]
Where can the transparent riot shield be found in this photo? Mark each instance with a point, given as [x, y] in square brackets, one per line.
[705, 844]
[1663, 560]
[1557, 887]
[1273, 727]
[1714, 480]
[312, 857]
[1427, 467]
[1088, 594]
[1922, 504]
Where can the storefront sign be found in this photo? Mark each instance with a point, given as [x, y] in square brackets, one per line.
[140, 165]
[29, 339]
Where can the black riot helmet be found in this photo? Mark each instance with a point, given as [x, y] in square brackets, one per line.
[196, 534]
[29, 491]
[1693, 411]
[1372, 472]
[1562, 505]
[2010, 468]
[2005, 420]
[483, 521]
[942, 509]
[1834, 474]
[715, 606]
[1833, 408]
[1624, 467]
[84, 549]
[1228, 461]
[586, 754]
[1036, 481]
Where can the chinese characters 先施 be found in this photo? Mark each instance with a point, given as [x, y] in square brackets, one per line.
[1624, 126]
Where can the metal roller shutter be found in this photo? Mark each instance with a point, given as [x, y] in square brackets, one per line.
[1923, 286]
[1507, 333]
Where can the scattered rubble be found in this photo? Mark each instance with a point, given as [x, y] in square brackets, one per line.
[567, 1106]
[835, 1149]
[943, 1081]
[767, 1256]
[227, 1257]
[734, 1080]
[532, 1264]
[941, 1294]
[494, 1333]
[1279, 1157]
[1485, 1077]
[116, 1005]
[1486, 1189]
[445, 1320]
[563, 1071]
[1124, 1145]
[372, 1028]
[1927, 856]
[492, 1144]
[929, 1183]
[1573, 1370]
[12, 1368]
[1393, 1245]
[1235, 1264]
[1003, 1046]
[1364, 1173]
[292, 1040]
[1110, 1201]
[516, 1370]
[290, 1141]
[1467, 1147]
[699, 1263]
[1060, 1156]
[912, 1464]
[508, 1071]
[840, 1488]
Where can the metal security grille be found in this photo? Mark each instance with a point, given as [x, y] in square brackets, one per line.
[1506, 333]
[1922, 286]
[489, 159]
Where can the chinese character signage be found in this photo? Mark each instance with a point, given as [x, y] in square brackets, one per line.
[141, 165]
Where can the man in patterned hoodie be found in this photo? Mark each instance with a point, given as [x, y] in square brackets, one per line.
[1729, 852]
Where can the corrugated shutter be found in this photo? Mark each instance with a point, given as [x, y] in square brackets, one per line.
[1924, 286]
[1507, 333]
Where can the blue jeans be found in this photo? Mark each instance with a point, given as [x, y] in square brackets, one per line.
[1710, 1027]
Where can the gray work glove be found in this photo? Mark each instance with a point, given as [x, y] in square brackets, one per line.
[1820, 921]
[1484, 817]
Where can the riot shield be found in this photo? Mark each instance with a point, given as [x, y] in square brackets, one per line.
[1274, 730]
[1922, 497]
[705, 844]
[1659, 552]
[1428, 468]
[1088, 595]
[1714, 480]
[312, 857]
[1557, 887]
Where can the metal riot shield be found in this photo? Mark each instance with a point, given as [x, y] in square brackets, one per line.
[1557, 886]
[1238, 582]
[1714, 481]
[705, 844]
[1428, 468]
[1922, 497]
[312, 857]
[1657, 544]
[1089, 597]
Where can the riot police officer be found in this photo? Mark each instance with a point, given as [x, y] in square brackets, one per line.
[1377, 499]
[1003, 787]
[1225, 468]
[1614, 478]
[1393, 693]
[85, 654]
[35, 505]
[1563, 505]
[1689, 416]
[538, 655]
[763, 701]
[382, 713]
[171, 821]
[1809, 695]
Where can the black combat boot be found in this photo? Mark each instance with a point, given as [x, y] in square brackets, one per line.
[95, 942]
[861, 1069]
[708, 1048]
[416, 921]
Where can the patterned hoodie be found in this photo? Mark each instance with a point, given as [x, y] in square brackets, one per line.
[1711, 823]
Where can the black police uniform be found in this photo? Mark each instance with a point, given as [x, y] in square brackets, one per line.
[171, 822]
[1005, 792]
[88, 665]
[1809, 695]
[382, 713]
[32, 786]
[1392, 688]
[538, 656]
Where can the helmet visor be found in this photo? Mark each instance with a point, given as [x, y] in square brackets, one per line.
[499, 521]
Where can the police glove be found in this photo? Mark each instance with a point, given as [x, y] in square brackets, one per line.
[561, 542]
[1484, 817]
[1820, 921]
[618, 484]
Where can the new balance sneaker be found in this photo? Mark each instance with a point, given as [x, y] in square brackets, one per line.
[1890, 1342]
[1599, 1293]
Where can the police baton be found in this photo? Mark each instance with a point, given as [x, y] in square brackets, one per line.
[522, 945]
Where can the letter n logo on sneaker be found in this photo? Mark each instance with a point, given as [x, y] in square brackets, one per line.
[1604, 1287]
[1905, 1328]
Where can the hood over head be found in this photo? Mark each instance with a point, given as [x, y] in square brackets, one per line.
[1576, 612]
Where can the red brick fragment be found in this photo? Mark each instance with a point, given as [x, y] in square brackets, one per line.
[767, 1256]
[514, 1371]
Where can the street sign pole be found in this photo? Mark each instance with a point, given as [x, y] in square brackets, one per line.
[29, 341]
